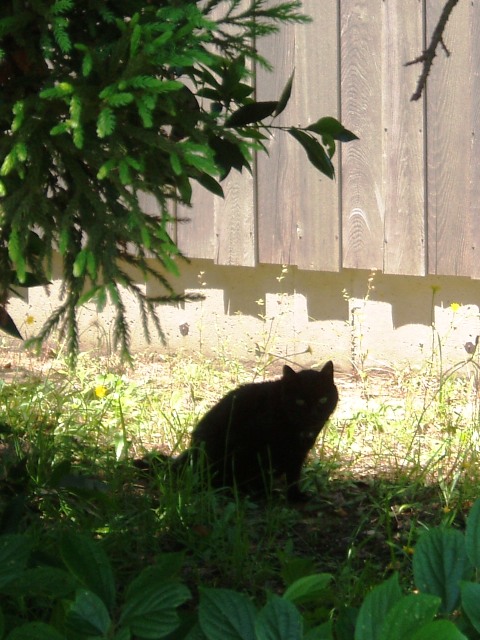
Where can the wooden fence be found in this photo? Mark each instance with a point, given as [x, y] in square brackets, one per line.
[406, 198]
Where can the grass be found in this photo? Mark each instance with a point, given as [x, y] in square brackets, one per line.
[400, 455]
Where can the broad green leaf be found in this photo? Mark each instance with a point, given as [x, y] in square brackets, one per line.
[345, 623]
[253, 112]
[42, 582]
[210, 183]
[14, 552]
[175, 164]
[322, 632]
[87, 561]
[329, 126]
[408, 615]
[471, 602]
[87, 615]
[226, 615]
[472, 535]
[30, 280]
[285, 97]
[308, 588]
[10, 328]
[375, 608]
[227, 155]
[315, 152]
[439, 564]
[439, 630]
[168, 566]
[150, 611]
[35, 631]
[279, 620]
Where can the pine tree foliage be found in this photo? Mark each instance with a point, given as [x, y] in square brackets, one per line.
[103, 101]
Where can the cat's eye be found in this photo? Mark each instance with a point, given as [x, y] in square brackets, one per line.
[300, 402]
[323, 400]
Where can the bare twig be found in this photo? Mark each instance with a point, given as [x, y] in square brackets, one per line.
[429, 54]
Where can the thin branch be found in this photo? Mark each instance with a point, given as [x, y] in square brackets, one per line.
[429, 54]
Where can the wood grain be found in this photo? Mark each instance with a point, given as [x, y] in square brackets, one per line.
[298, 214]
[449, 135]
[361, 99]
[403, 131]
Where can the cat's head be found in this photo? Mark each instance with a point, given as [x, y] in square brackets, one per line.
[310, 393]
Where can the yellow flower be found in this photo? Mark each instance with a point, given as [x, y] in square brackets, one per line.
[409, 550]
[29, 319]
[100, 391]
[455, 306]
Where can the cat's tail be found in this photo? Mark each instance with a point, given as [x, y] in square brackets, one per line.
[155, 460]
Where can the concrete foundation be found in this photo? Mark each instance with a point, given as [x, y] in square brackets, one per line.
[356, 318]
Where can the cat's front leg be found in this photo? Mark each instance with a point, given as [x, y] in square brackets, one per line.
[294, 493]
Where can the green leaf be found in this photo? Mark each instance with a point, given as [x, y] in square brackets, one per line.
[329, 126]
[14, 553]
[408, 615]
[15, 251]
[472, 535]
[35, 631]
[87, 615]
[227, 155]
[87, 561]
[253, 112]
[10, 328]
[210, 183]
[42, 581]
[471, 602]
[30, 280]
[105, 123]
[285, 97]
[439, 630]
[308, 588]
[375, 608]
[315, 152]
[150, 609]
[226, 615]
[120, 99]
[80, 263]
[176, 164]
[279, 620]
[440, 562]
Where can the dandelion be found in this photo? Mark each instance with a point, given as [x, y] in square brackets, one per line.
[100, 391]
[455, 307]
[29, 319]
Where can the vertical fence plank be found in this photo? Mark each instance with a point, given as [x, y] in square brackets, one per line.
[235, 233]
[474, 167]
[195, 229]
[361, 98]
[298, 218]
[449, 136]
[404, 160]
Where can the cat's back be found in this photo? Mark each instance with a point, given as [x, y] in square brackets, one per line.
[241, 406]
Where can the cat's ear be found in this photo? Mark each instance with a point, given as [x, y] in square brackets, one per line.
[327, 369]
[288, 372]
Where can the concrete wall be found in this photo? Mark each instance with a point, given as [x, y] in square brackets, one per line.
[354, 317]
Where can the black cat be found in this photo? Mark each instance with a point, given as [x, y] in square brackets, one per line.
[266, 429]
